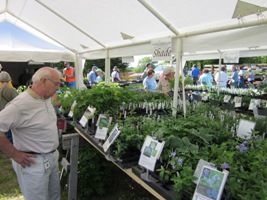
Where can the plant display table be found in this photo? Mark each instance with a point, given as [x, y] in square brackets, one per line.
[153, 188]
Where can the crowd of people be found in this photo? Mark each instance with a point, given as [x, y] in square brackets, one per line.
[238, 78]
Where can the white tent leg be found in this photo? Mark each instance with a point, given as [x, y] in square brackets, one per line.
[178, 56]
[79, 65]
[107, 68]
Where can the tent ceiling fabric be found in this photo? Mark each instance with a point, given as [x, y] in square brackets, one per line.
[126, 27]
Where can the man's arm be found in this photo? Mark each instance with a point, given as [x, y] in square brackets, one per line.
[25, 159]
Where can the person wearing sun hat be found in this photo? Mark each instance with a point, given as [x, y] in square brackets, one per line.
[163, 84]
[100, 76]
[7, 94]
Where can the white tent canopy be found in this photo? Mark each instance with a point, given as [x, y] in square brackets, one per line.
[91, 27]
[17, 45]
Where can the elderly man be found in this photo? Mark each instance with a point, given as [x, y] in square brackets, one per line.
[33, 122]
[222, 77]
[163, 84]
[92, 76]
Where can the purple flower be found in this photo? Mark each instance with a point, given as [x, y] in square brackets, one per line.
[225, 165]
[242, 145]
[180, 162]
[242, 149]
[237, 147]
[173, 154]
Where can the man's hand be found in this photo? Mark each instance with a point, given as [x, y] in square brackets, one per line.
[25, 159]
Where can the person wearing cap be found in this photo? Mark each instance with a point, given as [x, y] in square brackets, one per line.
[7, 94]
[144, 74]
[69, 75]
[92, 76]
[100, 76]
[115, 75]
[150, 82]
[163, 84]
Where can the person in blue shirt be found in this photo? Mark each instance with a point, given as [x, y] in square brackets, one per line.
[92, 76]
[149, 82]
[195, 74]
[234, 77]
[250, 76]
[100, 76]
[206, 78]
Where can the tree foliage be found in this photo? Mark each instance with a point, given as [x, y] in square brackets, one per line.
[100, 63]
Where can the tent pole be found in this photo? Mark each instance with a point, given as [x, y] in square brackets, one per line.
[220, 66]
[184, 99]
[79, 64]
[178, 56]
[107, 68]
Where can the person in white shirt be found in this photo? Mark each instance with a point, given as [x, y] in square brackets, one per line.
[221, 78]
[115, 75]
[32, 119]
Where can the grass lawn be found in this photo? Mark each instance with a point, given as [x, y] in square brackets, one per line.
[9, 188]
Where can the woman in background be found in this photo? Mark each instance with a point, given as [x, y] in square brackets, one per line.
[7, 94]
[115, 75]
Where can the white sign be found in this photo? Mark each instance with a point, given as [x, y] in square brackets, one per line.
[114, 133]
[231, 57]
[210, 184]
[226, 98]
[88, 114]
[162, 49]
[245, 128]
[72, 109]
[254, 103]
[238, 102]
[102, 124]
[127, 59]
[150, 152]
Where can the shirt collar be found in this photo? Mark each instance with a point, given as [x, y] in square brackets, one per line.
[32, 93]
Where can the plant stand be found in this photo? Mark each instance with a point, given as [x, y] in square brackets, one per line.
[146, 177]
[70, 142]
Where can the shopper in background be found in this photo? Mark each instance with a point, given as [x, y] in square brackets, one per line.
[150, 82]
[206, 78]
[241, 77]
[195, 74]
[234, 77]
[92, 76]
[144, 74]
[250, 76]
[115, 75]
[7, 94]
[32, 119]
[100, 76]
[222, 77]
[163, 84]
[69, 75]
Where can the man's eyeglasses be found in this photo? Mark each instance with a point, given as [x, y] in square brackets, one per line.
[56, 83]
